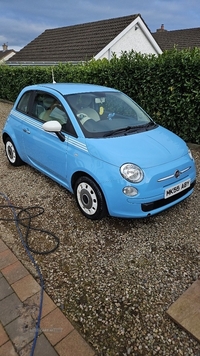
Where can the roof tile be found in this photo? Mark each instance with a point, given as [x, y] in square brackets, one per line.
[73, 43]
[181, 39]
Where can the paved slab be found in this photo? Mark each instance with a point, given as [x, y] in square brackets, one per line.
[43, 348]
[9, 308]
[21, 331]
[3, 246]
[14, 272]
[185, 311]
[3, 335]
[5, 288]
[7, 349]
[19, 307]
[6, 258]
[26, 287]
[72, 345]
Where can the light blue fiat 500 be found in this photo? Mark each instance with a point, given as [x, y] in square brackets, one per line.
[100, 145]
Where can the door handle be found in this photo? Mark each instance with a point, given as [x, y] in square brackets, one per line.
[26, 131]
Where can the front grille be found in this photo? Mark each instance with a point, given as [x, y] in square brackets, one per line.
[162, 202]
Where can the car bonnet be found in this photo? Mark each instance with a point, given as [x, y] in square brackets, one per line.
[146, 149]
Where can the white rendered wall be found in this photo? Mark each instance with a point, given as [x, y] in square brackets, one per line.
[135, 39]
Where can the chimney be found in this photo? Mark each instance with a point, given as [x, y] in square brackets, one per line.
[161, 29]
[5, 47]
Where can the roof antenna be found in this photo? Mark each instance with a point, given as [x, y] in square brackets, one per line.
[53, 76]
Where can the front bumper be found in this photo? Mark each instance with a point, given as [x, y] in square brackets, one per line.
[157, 204]
[151, 199]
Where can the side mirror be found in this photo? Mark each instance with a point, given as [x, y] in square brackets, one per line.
[54, 126]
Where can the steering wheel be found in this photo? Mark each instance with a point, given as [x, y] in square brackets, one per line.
[83, 118]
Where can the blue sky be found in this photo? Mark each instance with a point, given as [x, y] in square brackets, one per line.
[21, 21]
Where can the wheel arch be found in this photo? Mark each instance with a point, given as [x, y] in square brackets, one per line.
[12, 137]
[12, 152]
[4, 137]
[80, 174]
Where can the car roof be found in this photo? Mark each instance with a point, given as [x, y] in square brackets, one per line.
[70, 88]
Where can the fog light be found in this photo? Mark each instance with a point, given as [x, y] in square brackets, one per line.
[130, 191]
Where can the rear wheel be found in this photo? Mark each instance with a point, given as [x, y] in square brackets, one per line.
[90, 199]
[12, 154]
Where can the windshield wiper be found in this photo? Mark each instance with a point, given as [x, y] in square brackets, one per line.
[123, 130]
[129, 129]
[149, 124]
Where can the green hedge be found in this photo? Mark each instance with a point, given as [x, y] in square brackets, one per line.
[166, 86]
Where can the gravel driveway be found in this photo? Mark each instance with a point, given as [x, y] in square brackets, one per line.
[114, 278]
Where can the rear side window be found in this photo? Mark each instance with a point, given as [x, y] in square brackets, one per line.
[23, 103]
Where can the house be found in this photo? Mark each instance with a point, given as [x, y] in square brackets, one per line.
[83, 42]
[6, 54]
[181, 39]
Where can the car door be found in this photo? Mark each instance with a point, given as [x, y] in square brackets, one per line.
[44, 150]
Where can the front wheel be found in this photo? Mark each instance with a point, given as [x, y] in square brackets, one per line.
[90, 199]
[12, 154]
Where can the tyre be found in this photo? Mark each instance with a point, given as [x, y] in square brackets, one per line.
[12, 154]
[90, 199]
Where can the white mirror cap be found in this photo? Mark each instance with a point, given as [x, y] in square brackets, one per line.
[52, 126]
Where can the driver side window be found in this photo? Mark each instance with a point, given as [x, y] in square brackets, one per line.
[47, 108]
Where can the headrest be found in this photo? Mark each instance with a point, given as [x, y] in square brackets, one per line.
[86, 100]
[73, 100]
[48, 101]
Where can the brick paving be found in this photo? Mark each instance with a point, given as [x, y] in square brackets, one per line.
[19, 305]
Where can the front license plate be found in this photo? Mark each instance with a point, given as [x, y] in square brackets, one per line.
[177, 188]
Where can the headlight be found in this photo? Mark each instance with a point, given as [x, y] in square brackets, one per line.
[190, 154]
[131, 172]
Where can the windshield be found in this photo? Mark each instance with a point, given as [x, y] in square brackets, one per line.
[106, 114]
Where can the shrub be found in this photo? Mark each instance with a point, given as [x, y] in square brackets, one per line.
[166, 86]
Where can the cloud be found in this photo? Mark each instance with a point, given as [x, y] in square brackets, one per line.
[22, 22]
[24, 32]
